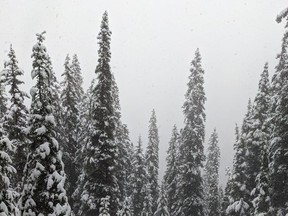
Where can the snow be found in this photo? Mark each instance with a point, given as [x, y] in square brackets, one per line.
[44, 150]
[41, 130]
[33, 91]
[50, 119]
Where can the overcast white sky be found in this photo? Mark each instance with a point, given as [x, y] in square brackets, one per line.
[153, 43]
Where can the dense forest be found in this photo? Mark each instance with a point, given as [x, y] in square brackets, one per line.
[70, 153]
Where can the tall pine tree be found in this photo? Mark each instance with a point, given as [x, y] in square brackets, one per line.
[278, 148]
[44, 177]
[16, 116]
[100, 152]
[171, 173]
[258, 135]
[228, 199]
[212, 176]
[190, 184]
[152, 159]
[239, 196]
[70, 98]
[139, 180]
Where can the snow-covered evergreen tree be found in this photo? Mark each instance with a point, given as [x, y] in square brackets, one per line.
[16, 117]
[7, 195]
[152, 159]
[278, 151]
[190, 184]
[258, 136]
[139, 180]
[162, 208]
[211, 177]
[70, 99]
[44, 177]
[171, 173]
[238, 192]
[86, 131]
[100, 151]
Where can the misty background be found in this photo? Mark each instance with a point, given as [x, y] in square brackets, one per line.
[152, 45]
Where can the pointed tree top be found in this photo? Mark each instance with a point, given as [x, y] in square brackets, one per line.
[40, 37]
[139, 141]
[282, 15]
[197, 56]
[249, 106]
[153, 116]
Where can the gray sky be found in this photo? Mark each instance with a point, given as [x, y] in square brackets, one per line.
[153, 43]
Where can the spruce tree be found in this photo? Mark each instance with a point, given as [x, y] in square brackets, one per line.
[70, 98]
[152, 159]
[238, 192]
[139, 180]
[86, 131]
[100, 152]
[44, 177]
[7, 194]
[171, 173]
[258, 136]
[212, 176]
[278, 151]
[16, 117]
[190, 187]
[162, 208]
